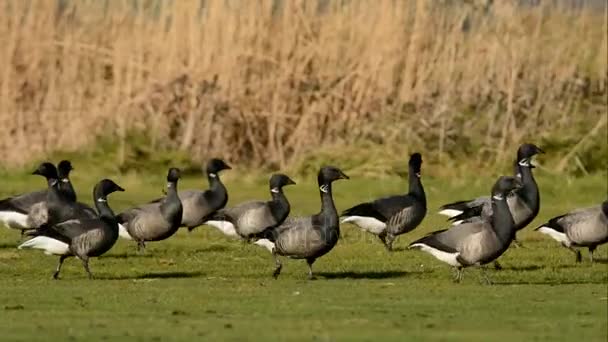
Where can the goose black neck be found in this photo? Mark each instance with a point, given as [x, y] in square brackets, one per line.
[502, 220]
[172, 201]
[415, 185]
[66, 189]
[328, 208]
[217, 187]
[529, 192]
[279, 206]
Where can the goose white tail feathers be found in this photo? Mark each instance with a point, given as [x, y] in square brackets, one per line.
[48, 245]
[370, 224]
[265, 243]
[225, 227]
[450, 212]
[557, 236]
[123, 233]
[448, 258]
[14, 219]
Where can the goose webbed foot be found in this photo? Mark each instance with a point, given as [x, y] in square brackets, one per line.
[278, 265]
[497, 266]
[58, 269]
[310, 274]
[517, 244]
[458, 274]
[579, 257]
[141, 247]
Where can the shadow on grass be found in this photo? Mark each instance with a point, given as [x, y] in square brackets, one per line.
[129, 255]
[552, 282]
[212, 248]
[157, 275]
[365, 275]
[521, 268]
[600, 261]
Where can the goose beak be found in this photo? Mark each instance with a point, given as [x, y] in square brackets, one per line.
[227, 167]
[36, 172]
[118, 188]
[343, 175]
[290, 181]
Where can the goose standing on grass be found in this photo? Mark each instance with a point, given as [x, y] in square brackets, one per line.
[580, 228]
[82, 238]
[154, 221]
[308, 237]
[199, 205]
[29, 210]
[251, 218]
[475, 243]
[525, 202]
[391, 216]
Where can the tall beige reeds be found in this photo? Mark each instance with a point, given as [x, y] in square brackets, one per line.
[266, 82]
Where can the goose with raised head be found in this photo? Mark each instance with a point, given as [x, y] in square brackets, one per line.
[308, 237]
[250, 218]
[82, 238]
[389, 217]
[586, 227]
[198, 205]
[524, 204]
[475, 243]
[154, 221]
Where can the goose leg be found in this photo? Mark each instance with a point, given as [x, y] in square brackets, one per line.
[85, 263]
[310, 275]
[141, 246]
[517, 243]
[497, 265]
[382, 237]
[58, 269]
[458, 274]
[591, 250]
[278, 264]
[390, 238]
[579, 257]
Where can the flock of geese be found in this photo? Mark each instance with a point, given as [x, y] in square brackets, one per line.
[482, 229]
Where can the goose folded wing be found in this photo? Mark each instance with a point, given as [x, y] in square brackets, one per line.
[23, 203]
[559, 223]
[451, 240]
[381, 209]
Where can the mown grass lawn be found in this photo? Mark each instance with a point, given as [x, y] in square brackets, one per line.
[203, 285]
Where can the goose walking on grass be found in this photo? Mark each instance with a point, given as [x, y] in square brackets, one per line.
[154, 221]
[475, 243]
[199, 205]
[389, 217]
[524, 204]
[251, 218]
[586, 227]
[308, 237]
[82, 238]
[29, 210]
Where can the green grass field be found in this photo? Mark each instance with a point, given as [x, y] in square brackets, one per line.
[203, 285]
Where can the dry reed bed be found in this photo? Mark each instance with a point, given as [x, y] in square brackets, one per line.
[266, 82]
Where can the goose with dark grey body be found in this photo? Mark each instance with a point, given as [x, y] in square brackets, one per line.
[29, 210]
[524, 204]
[479, 242]
[60, 205]
[308, 237]
[154, 221]
[391, 216]
[250, 218]
[82, 238]
[453, 210]
[199, 205]
[586, 227]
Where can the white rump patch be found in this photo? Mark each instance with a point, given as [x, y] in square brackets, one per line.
[557, 236]
[225, 227]
[448, 258]
[269, 245]
[123, 233]
[48, 245]
[455, 223]
[14, 219]
[450, 212]
[371, 224]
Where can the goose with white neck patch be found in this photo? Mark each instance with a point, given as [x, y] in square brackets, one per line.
[82, 238]
[253, 217]
[154, 221]
[475, 243]
[389, 217]
[586, 227]
[308, 237]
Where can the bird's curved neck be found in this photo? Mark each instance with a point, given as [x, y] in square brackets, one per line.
[101, 204]
[171, 199]
[66, 188]
[529, 192]
[502, 220]
[215, 184]
[279, 206]
[415, 185]
[328, 208]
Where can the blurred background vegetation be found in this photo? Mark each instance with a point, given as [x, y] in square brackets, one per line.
[139, 84]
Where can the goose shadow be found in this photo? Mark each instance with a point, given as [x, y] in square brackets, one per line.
[127, 255]
[365, 275]
[551, 282]
[600, 261]
[522, 268]
[212, 248]
[158, 275]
